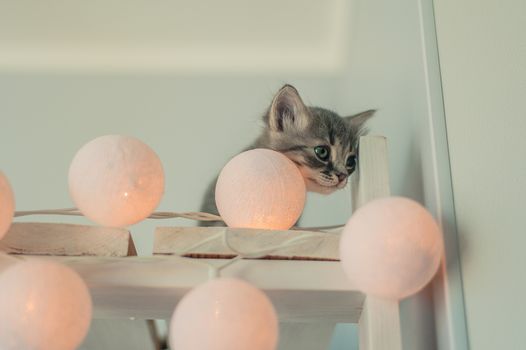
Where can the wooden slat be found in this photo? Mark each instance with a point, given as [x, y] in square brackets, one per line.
[150, 287]
[66, 239]
[177, 240]
[380, 320]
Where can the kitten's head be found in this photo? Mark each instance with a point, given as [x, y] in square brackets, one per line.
[320, 142]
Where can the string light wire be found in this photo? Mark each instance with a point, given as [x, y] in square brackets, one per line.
[198, 216]
[214, 271]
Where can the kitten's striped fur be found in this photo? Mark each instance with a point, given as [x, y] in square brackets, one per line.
[300, 132]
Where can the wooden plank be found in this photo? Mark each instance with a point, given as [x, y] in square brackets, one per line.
[150, 287]
[311, 246]
[380, 320]
[66, 240]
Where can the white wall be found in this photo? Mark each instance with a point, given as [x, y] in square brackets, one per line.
[482, 48]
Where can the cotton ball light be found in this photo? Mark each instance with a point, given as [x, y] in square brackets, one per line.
[116, 180]
[224, 314]
[45, 306]
[261, 189]
[391, 248]
[7, 205]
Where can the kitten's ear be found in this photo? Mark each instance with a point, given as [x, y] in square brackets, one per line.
[357, 121]
[287, 111]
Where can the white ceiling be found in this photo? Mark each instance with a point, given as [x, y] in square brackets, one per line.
[182, 35]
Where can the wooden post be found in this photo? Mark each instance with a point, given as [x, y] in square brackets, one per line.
[380, 320]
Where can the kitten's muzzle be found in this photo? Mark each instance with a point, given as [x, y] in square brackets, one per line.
[341, 176]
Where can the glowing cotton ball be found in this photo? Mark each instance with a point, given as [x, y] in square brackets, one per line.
[7, 205]
[391, 247]
[116, 180]
[260, 188]
[224, 314]
[45, 306]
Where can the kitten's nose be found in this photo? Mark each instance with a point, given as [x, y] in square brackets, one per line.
[341, 176]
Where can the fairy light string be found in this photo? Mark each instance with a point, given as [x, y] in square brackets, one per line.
[214, 270]
[198, 216]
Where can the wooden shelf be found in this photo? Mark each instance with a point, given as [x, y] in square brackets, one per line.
[150, 287]
[307, 287]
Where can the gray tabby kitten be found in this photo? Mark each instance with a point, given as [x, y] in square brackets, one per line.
[320, 142]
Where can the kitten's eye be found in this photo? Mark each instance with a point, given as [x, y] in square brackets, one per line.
[322, 152]
[351, 161]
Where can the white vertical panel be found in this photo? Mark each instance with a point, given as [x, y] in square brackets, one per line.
[482, 47]
[438, 193]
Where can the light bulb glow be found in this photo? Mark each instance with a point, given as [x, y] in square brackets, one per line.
[7, 205]
[45, 306]
[391, 247]
[262, 189]
[224, 314]
[116, 180]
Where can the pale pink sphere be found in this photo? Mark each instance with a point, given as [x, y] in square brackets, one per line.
[116, 180]
[391, 247]
[45, 306]
[262, 189]
[7, 205]
[224, 314]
